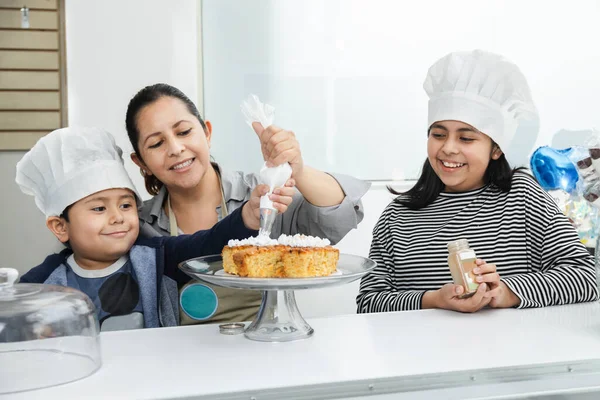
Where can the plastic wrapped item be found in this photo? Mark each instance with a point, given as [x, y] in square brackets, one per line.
[595, 156]
[48, 335]
[553, 169]
[591, 187]
[572, 177]
[593, 145]
[584, 216]
[576, 170]
[274, 177]
[588, 174]
[592, 194]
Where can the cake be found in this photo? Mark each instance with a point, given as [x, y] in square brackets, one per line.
[297, 256]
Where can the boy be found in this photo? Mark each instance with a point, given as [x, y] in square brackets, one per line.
[79, 182]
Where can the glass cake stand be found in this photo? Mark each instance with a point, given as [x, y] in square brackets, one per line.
[278, 319]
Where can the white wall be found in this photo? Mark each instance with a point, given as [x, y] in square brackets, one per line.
[115, 48]
[24, 239]
[347, 75]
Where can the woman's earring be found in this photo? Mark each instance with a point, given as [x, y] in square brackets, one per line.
[143, 172]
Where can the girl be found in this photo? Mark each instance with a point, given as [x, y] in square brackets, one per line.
[467, 189]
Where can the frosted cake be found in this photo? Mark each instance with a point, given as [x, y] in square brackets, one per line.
[297, 256]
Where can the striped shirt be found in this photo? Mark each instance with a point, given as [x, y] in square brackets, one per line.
[536, 250]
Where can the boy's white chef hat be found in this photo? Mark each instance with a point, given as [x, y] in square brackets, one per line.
[488, 92]
[70, 164]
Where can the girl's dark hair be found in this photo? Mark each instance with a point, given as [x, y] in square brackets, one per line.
[143, 98]
[429, 185]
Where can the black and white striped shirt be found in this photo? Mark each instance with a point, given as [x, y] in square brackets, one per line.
[535, 248]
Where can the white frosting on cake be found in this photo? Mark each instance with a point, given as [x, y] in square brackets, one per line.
[253, 241]
[303, 241]
[297, 240]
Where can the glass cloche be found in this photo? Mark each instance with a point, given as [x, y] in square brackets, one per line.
[48, 335]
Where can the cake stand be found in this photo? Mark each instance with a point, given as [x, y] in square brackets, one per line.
[279, 319]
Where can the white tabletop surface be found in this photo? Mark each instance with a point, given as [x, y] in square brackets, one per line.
[551, 349]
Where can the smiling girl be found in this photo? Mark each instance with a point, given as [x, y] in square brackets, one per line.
[530, 255]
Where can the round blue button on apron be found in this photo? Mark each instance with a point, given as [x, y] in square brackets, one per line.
[198, 301]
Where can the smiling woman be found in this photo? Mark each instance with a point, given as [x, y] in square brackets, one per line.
[171, 145]
[177, 154]
[530, 254]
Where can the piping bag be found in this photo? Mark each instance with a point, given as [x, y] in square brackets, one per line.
[274, 177]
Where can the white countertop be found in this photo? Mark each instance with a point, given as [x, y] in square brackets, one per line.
[354, 355]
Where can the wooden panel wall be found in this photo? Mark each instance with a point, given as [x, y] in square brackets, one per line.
[32, 72]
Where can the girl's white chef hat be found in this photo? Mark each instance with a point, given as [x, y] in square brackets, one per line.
[488, 92]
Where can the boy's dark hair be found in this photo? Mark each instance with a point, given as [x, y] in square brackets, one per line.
[429, 185]
[65, 215]
[143, 98]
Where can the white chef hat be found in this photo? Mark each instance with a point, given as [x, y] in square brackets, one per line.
[488, 92]
[70, 164]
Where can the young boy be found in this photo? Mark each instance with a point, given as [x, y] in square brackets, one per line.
[79, 182]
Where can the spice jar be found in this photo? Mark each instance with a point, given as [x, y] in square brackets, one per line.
[461, 261]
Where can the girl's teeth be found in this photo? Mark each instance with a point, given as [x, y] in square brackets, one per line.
[452, 165]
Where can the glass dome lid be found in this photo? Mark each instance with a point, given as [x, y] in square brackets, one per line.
[49, 335]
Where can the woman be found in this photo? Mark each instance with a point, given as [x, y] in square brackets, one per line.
[171, 145]
[529, 253]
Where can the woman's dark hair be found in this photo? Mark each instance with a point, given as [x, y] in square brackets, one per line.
[429, 185]
[143, 98]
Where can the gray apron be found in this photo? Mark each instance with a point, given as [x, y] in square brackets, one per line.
[204, 303]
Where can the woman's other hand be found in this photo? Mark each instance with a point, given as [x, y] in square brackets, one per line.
[281, 198]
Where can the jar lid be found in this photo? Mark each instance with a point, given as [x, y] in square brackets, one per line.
[458, 244]
[233, 328]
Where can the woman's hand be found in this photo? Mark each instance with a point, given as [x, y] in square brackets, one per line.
[279, 146]
[281, 198]
[446, 297]
[499, 294]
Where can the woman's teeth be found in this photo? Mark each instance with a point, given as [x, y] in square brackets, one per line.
[183, 164]
[452, 165]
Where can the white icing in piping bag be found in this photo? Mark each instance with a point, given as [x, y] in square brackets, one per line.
[274, 177]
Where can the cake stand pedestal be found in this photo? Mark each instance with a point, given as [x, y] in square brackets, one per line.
[279, 319]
